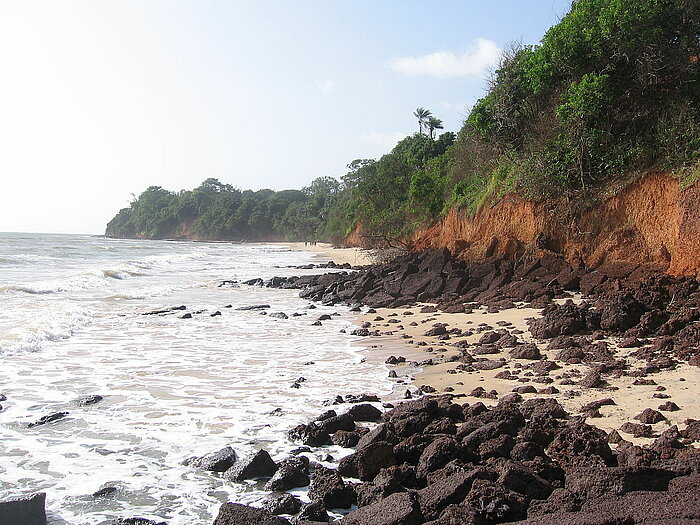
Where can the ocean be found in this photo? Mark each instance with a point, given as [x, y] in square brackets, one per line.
[72, 324]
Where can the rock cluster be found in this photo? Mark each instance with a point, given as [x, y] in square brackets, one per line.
[431, 460]
[639, 303]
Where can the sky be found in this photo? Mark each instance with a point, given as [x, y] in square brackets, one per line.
[101, 99]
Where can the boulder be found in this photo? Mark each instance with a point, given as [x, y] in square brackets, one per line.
[366, 462]
[365, 412]
[311, 434]
[578, 441]
[566, 319]
[398, 509]
[25, 510]
[291, 473]
[314, 511]
[219, 461]
[526, 351]
[519, 478]
[649, 416]
[328, 487]
[346, 439]
[281, 503]
[236, 514]
[496, 502]
[451, 490]
[256, 465]
[437, 454]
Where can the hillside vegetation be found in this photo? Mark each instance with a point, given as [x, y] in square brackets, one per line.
[611, 91]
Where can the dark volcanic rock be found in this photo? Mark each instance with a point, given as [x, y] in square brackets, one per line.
[495, 502]
[519, 478]
[89, 400]
[526, 351]
[639, 507]
[451, 490]
[346, 439]
[366, 462]
[219, 461]
[313, 512]
[281, 503]
[398, 509]
[621, 313]
[48, 419]
[25, 511]
[365, 412]
[291, 473]
[236, 514]
[328, 487]
[437, 455]
[566, 319]
[579, 443]
[257, 465]
[595, 482]
[649, 416]
[311, 434]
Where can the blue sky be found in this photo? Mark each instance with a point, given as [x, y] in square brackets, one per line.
[101, 99]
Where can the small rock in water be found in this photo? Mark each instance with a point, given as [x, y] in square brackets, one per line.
[3, 397]
[106, 491]
[253, 307]
[216, 313]
[48, 419]
[279, 315]
[89, 400]
[186, 316]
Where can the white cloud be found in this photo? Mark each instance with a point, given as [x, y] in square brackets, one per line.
[385, 141]
[445, 64]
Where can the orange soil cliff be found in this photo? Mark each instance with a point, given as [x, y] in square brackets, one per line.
[650, 221]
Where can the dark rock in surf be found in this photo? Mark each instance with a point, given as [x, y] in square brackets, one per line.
[257, 465]
[26, 511]
[48, 419]
[237, 514]
[219, 461]
[253, 307]
[89, 400]
[281, 503]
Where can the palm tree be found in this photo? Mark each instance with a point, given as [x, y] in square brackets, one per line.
[422, 115]
[433, 124]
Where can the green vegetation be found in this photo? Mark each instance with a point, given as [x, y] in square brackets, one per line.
[612, 90]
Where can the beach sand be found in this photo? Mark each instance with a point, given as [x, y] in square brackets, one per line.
[407, 339]
[354, 256]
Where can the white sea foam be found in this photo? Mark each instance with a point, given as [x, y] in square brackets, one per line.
[172, 387]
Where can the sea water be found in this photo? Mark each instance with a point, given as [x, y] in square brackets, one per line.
[72, 324]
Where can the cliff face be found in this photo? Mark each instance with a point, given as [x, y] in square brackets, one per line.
[651, 221]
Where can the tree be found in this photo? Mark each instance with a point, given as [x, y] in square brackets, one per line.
[422, 115]
[433, 124]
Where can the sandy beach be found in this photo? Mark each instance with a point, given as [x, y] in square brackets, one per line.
[403, 334]
[354, 256]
